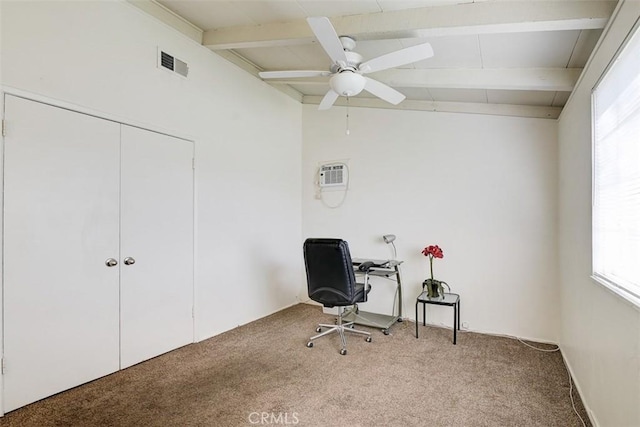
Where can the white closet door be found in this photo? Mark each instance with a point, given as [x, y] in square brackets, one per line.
[60, 225]
[156, 232]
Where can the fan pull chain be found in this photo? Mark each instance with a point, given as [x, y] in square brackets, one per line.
[348, 132]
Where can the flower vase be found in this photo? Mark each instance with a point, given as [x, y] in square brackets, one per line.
[434, 288]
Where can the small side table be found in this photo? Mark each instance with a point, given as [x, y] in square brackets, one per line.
[452, 300]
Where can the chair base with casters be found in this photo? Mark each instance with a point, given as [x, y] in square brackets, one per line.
[340, 328]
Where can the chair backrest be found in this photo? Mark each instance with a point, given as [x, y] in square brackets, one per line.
[330, 277]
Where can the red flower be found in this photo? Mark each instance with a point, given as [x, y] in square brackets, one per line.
[432, 252]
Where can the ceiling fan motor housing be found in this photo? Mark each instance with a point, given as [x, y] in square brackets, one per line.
[354, 60]
[347, 81]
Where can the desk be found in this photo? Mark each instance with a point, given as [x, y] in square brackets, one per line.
[381, 268]
[452, 300]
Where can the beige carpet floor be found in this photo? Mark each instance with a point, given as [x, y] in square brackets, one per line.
[263, 374]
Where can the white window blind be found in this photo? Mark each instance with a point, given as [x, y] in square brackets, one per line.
[616, 172]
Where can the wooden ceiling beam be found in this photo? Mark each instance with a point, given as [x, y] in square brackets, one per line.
[460, 19]
[448, 107]
[535, 79]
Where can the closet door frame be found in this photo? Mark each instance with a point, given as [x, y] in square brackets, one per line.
[3, 93]
[7, 90]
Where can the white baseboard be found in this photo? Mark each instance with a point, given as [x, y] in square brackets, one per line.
[576, 383]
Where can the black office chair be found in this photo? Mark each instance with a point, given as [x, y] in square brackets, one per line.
[331, 282]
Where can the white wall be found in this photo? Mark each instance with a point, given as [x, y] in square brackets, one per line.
[482, 187]
[600, 332]
[102, 56]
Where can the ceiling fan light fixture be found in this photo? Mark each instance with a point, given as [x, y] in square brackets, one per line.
[347, 83]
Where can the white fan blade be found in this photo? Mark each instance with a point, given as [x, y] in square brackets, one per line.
[328, 38]
[328, 100]
[383, 91]
[292, 74]
[397, 58]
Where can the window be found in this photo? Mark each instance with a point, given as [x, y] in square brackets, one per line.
[616, 172]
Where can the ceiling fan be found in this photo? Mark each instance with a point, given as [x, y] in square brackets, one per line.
[347, 69]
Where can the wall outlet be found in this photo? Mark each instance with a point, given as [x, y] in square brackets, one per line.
[465, 326]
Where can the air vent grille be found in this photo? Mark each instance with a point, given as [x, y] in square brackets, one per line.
[181, 67]
[166, 60]
[172, 63]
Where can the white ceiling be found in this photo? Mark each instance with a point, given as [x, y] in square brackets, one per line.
[518, 58]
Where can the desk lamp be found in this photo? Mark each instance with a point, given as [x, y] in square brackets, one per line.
[389, 238]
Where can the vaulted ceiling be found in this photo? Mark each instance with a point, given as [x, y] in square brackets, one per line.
[519, 58]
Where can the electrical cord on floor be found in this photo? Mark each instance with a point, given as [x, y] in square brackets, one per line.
[573, 404]
[539, 349]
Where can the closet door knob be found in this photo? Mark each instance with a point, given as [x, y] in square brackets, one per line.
[111, 262]
[129, 261]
